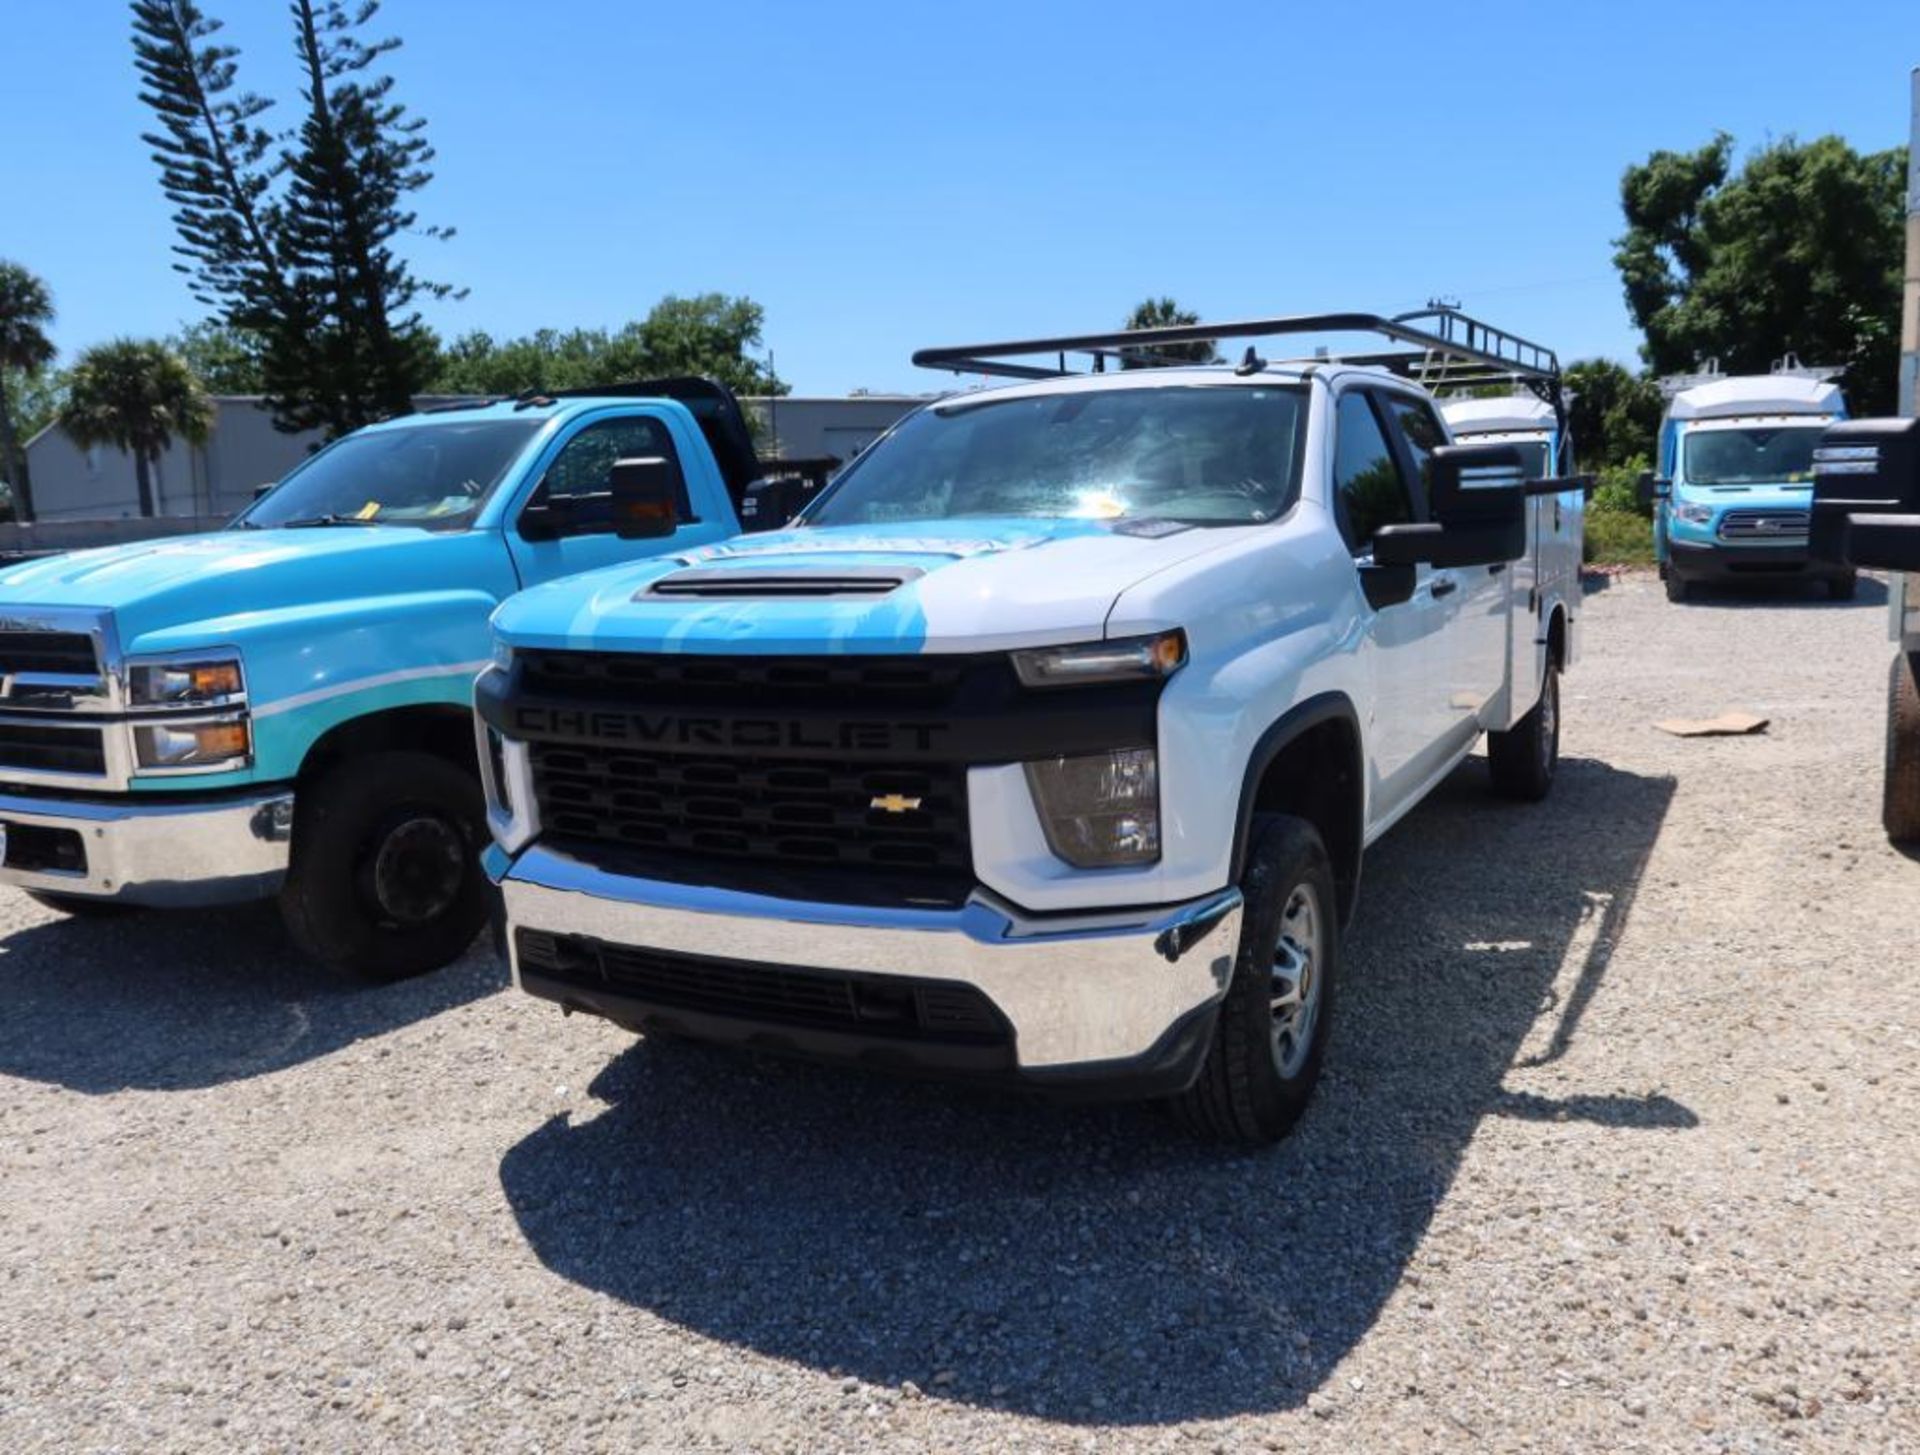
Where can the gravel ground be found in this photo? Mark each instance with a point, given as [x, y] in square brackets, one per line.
[1619, 1149]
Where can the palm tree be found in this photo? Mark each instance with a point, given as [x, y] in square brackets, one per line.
[26, 308]
[136, 395]
[1165, 313]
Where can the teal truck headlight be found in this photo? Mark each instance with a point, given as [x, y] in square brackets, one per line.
[1085, 663]
[1692, 514]
[1101, 811]
[203, 682]
[204, 745]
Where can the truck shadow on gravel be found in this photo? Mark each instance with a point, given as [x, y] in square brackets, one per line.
[1091, 1265]
[167, 1002]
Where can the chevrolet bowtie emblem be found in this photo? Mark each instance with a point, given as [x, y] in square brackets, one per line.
[894, 803]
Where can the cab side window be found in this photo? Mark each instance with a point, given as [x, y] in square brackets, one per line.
[581, 475]
[1368, 490]
[1420, 427]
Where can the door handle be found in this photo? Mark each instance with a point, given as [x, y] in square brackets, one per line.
[1445, 586]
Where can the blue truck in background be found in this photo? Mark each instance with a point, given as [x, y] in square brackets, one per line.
[1733, 490]
[284, 707]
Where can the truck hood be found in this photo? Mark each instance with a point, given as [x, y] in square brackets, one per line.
[1751, 497]
[152, 585]
[973, 585]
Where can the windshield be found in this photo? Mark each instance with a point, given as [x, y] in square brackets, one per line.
[1218, 455]
[1774, 455]
[430, 475]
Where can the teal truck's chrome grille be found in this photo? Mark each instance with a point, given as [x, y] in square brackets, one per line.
[32, 652]
[52, 748]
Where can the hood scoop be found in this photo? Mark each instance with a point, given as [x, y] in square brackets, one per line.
[801, 581]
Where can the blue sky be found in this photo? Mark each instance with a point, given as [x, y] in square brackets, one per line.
[882, 177]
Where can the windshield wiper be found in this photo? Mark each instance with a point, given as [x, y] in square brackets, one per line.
[314, 520]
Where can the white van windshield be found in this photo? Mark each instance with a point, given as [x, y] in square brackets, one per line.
[1769, 455]
[1203, 455]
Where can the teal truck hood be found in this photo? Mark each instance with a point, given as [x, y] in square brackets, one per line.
[152, 587]
[965, 585]
[1749, 497]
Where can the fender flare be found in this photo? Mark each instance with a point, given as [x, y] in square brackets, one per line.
[1301, 718]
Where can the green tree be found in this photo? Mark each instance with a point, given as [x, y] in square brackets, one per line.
[1799, 251]
[26, 309]
[1165, 313]
[355, 161]
[227, 360]
[214, 156]
[711, 334]
[296, 245]
[135, 395]
[1615, 413]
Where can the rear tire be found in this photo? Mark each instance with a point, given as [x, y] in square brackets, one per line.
[1901, 808]
[385, 877]
[1271, 1032]
[1844, 588]
[80, 906]
[1524, 758]
[1676, 585]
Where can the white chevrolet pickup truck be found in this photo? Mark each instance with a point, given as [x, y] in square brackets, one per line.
[1047, 745]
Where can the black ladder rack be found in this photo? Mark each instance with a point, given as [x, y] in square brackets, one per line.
[1440, 348]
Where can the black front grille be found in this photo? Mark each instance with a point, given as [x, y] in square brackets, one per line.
[874, 1005]
[750, 681]
[40, 651]
[52, 749]
[906, 816]
[1784, 526]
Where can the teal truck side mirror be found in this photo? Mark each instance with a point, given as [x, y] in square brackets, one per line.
[1866, 494]
[1651, 487]
[646, 498]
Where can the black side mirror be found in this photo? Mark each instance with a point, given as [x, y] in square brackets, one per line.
[1651, 487]
[1479, 499]
[646, 498]
[547, 519]
[1866, 495]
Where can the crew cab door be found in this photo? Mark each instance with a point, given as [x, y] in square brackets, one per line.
[571, 497]
[1474, 655]
[1404, 642]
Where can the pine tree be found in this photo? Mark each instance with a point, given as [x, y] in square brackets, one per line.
[212, 151]
[356, 158]
[296, 250]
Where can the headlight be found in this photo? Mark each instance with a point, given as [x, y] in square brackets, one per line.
[1129, 659]
[190, 745]
[1102, 811]
[186, 684]
[502, 655]
[1693, 514]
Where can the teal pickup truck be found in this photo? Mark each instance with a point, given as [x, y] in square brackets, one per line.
[284, 706]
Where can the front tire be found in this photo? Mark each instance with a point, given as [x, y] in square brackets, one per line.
[1900, 810]
[1843, 588]
[1271, 1033]
[385, 877]
[1524, 759]
[1676, 585]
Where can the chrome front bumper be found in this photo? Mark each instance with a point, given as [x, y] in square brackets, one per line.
[157, 850]
[1080, 991]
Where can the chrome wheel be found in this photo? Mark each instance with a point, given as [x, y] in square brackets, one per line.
[1295, 982]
